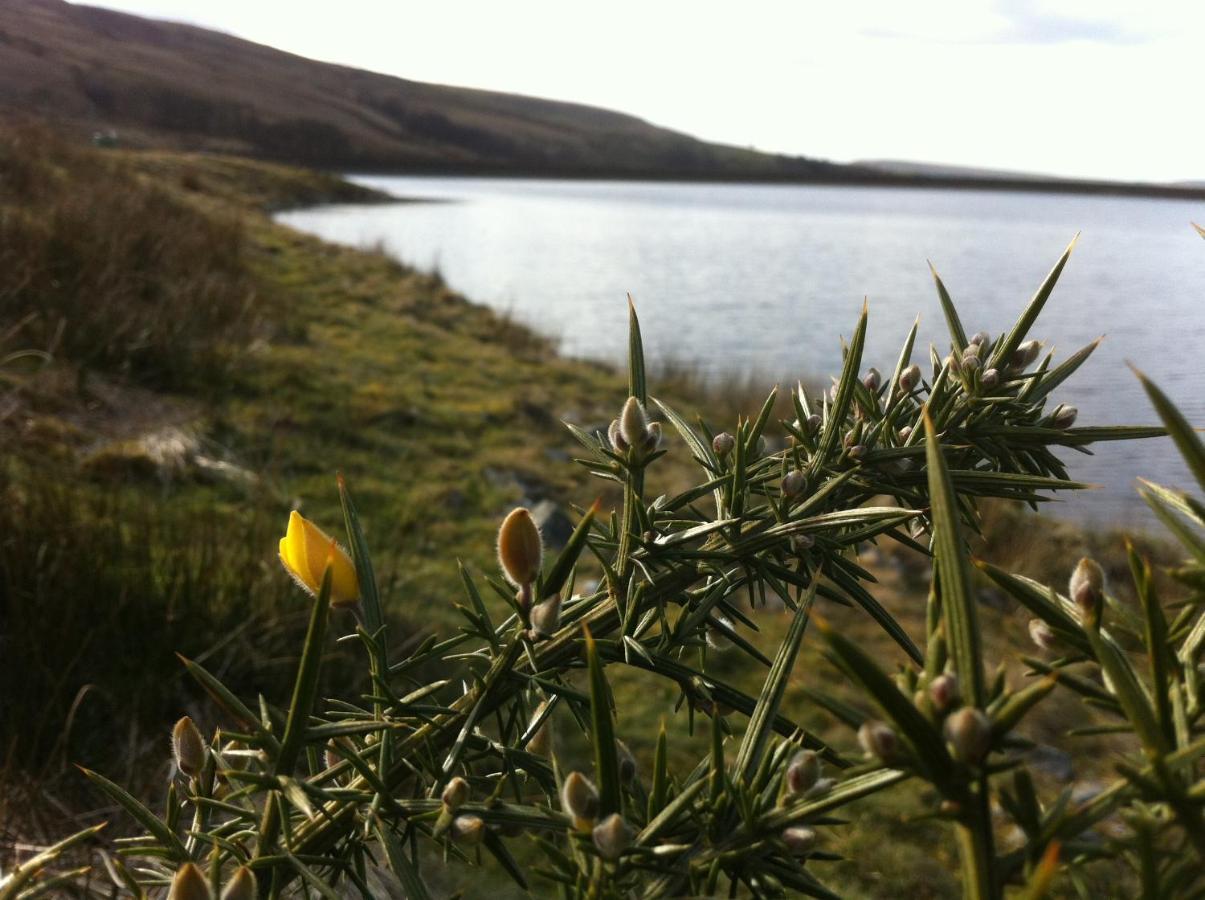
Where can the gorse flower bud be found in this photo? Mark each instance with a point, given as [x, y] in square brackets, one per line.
[969, 733]
[872, 379]
[579, 799]
[990, 378]
[633, 424]
[717, 638]
[1063, 416]
[189, 884]
[546, 616]
[331, 756]
[541, 740]
[879, 739]
[944, 693]
[611, 837]
[857, 451]
[723, 444]
[981, 339]
[1042, 634]
[970, 364]
[520, 550]
[970, 351]
[306, 551]
[455, 794]
[241, 885]
[188, 748]
[803, 772]
[468, 830]
[904, 434]
[1025, 354]
[910, 378]
[813, 423]
[653, 437]
[616, 439]
[799, 840]
[793, 484]
[1087, 590]
[627, 762]
[801, 543]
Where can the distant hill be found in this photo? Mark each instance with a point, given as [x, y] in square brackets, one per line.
[165, 84]
[946, 170]
[170, 84]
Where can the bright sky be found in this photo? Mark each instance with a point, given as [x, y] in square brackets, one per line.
[1092, 88]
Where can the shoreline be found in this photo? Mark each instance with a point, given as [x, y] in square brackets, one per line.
[1135, 190]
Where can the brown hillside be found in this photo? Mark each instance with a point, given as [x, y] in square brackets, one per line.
[177, 85]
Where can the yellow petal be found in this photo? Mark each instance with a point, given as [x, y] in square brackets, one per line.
[306, 550]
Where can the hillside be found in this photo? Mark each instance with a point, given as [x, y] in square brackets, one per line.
[184, 87]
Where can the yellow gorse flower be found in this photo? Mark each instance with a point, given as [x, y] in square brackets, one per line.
[306, 550]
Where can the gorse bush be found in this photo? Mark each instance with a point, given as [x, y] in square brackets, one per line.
[110, 272]
[454, 743]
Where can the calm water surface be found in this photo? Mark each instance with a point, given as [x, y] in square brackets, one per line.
[739, 278]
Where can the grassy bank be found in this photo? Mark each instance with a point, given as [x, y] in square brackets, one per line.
[148, 479]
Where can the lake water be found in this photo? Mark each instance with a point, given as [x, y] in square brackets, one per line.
[740, 278]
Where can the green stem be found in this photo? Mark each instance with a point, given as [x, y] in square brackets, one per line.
[977, 847]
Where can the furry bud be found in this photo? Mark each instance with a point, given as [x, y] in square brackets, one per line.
[1042, 634]
[801, 543]
[872, 379]
[520, 550]
[944, 693]
[611, 837]
[627, 762]
[803, 772]
[879, 739]
[904, 434]
[969, 734]
[331, 756]
[990, 378]
[579, 799]
[455, 793]
[1087, 590]
[1025, 354]
[617, 442]
[970, 364]
[546, 616]
[857, 451]
[241, 885]
[970, 351]
[954, 363]
[468, 830]
[794, 483]
[189, 884]
[820, 788]
[799, 840]
[1063, 416]
[633, 425]
[188, 747]
[652, 437]
[541, 740]
[723, 444]
[813, 423]
[981, 339]
[910, 378]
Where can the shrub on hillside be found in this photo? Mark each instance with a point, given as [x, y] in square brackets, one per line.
[329, 796]
[112, 273]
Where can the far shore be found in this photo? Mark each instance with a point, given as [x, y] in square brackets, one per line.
[1036, 185]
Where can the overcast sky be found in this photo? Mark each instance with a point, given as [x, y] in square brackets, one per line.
[1094, 88]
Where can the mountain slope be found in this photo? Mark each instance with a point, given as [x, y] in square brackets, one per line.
[177, 85]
